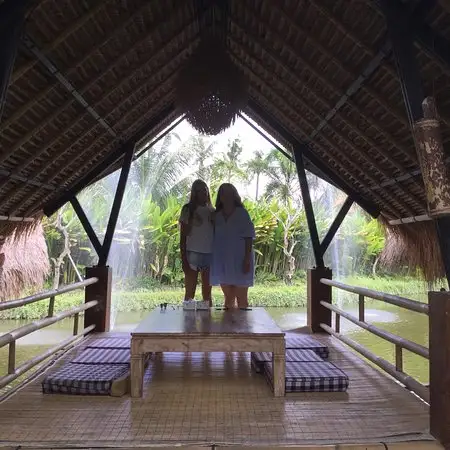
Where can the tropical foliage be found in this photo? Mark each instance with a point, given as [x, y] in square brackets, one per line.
[146, 240]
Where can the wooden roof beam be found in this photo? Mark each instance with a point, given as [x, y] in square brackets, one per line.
[330, 85]
[77, 24]
[174, 57]
[69, 70]
[84, 167]
[369, 90]
[76, 157]
[401, 35]
[410, 196]
[54, 205]
[365, 204]
[401, 178]
[93, 80]
[345, 29]
[12, 16]
[437, 46]
[316, 131]
[338, 160]
[54, 71]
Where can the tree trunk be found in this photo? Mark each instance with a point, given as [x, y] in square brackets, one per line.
[257, 186]
[375, 265]
[57, 262]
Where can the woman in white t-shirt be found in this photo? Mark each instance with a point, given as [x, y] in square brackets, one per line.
[196, 237]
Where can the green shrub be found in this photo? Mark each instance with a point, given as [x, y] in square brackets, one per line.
[265, 293]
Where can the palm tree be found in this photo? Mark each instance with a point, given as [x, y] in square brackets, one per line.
[283, 184]
[227, 168]
[256, 167]
[201, 150]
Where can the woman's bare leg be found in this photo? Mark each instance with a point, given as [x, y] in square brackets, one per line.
[190, 284]
[242, 296]
[230, 295]
[206, 287]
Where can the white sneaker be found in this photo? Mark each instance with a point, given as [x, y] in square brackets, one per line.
[189, 304]
[202, 305]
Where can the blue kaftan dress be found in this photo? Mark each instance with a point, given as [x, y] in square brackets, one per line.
[228, 249]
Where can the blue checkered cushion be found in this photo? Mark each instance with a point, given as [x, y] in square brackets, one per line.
[109, 343]
[311, 377]
[306, 342]
[103, 356]
[82, 379]
[259, 358]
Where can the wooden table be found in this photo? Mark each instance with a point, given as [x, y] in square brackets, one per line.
[207, 331]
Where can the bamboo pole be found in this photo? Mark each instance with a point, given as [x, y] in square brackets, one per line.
[20, 332]
[38, 359]
[397, 340]
[412, 384]
[412, 219]
[16, 219]
[402, 302]
[11, 304]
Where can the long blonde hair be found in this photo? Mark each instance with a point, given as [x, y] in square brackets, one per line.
[193, 199]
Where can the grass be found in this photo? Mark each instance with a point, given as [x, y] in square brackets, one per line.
[273, 294]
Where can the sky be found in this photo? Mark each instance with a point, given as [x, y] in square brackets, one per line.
[251, 142]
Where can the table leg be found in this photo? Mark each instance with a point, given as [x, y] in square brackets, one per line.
[279, 368]
[137, 375]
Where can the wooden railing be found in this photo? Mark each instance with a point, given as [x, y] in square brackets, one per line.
[396, 371]
[11, 337]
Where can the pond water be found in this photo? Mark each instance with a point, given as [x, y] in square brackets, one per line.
[407, 324]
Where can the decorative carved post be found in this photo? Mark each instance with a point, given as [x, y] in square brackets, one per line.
[439, 304]
[100, 316]
[317, 292]
[430, 151]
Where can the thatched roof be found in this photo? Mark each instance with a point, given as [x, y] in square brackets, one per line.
[24, 262]
[322, 70]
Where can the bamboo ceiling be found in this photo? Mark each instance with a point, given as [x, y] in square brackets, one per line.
[301, 57]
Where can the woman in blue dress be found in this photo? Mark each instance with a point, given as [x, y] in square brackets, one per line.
[233, 258]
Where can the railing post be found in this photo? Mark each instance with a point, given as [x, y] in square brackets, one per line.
[361, 308]
[100, 291]
[439, 304]
[317, 292]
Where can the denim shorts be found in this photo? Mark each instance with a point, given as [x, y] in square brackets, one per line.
[199, 261]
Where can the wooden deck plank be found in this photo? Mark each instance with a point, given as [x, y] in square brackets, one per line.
[199, 399]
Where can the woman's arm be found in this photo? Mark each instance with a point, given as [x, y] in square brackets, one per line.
[183, 251]
[185, 229]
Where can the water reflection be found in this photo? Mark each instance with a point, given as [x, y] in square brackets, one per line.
[407, 324]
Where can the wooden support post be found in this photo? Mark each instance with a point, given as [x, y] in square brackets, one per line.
[439, 307]
[318, 166]
[424, 120]
[337, 222]
[318, 254]
[100, 291]
[436, 178]
[12, 14]
[317, 292]
[361, 308]
[86, 225]
[117, 203]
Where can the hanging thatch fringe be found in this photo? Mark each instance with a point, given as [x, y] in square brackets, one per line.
[415, 246]
[16, 230]
[25, 261]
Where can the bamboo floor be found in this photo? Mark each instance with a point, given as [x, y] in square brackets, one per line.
[214, 400]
